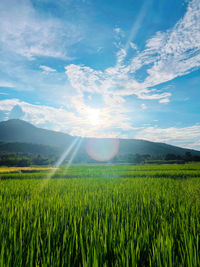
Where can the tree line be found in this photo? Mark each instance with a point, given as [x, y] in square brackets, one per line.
[23, 160]
[28, 159]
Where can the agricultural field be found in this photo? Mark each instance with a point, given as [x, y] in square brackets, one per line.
[103, 215]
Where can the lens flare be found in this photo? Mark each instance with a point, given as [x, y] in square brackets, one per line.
[102, 149]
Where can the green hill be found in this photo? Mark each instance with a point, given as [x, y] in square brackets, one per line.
[16, 130]
[19, 136]
[28, 148]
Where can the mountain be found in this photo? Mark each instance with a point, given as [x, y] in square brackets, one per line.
[27, 148]
[18, 132]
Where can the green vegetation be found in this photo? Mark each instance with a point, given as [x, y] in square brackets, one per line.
[24, 159]
[28, 159]
[22, 139]
[145, 215]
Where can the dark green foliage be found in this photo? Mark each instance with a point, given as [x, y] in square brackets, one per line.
[23, 160]
[184, 158]
[13, 160]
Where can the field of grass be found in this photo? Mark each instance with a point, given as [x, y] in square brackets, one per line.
[4, 170]
[147, 215]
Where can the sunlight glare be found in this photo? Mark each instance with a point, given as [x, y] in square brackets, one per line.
[93, 116]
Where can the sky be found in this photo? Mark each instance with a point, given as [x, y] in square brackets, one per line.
[125, 69]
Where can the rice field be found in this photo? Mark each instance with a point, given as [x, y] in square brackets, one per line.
[4, 170]
[145, 215]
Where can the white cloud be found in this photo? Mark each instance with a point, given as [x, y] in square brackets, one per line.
[175, 52]
[84, 78]
[47, 69]
[7, 84]
[41, 115]
[2, 93]
[114, 81]
[164, 100]
[188, 137]
[133, 46]
[167, 55]
[117, 30]
[157, 41]
[121, 54]
[25, 32]
[75, 123]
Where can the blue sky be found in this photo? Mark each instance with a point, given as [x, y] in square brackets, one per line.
[132, 66]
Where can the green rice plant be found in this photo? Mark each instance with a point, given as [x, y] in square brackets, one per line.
[101, 216]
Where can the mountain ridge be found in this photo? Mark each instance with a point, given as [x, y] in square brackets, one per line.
[16, 130]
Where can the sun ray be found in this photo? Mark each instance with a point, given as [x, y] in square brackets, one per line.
[64, 155]
[74, 152]
[60, 161]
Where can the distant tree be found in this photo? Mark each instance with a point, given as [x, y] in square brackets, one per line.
[170, 157]
[146, 157]
[24, 162]
[196, 158]
[39, 160]
[138, 158]
[188, 156]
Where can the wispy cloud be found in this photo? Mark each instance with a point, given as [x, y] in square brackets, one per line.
[119, 31]
[47, 69]
[30, 34]
[7, 84]
[166, 56]
[177, 51]
[169, 54]
[164, 100]
[2, 93]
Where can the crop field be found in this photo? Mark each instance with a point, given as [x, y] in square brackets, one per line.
[103, 215]
[4, 170]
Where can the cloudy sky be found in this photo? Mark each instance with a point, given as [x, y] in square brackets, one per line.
[128, 69]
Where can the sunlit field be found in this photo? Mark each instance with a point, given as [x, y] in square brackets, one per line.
[145, 215]
[4, 170]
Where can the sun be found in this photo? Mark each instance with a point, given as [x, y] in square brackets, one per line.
[94, 116]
